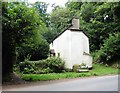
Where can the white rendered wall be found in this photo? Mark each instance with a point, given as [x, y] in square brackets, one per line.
[85, 43]
[76, 47]
[71, 45]
[87, 59]
[62, 45]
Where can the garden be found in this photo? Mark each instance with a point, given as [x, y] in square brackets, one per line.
[54, 68]
[27, 31]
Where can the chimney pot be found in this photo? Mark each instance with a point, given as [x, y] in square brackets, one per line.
[75, 23]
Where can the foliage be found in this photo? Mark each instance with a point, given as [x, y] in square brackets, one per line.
[97, 70]
[42, 67]
[110, 52]
[25, 29]
[50, 34]
[68, 70]
[56, 64]
[76, 67]
[36, 51]
[50, 65]
[22, 28]
[101, 69]
[60, 19]
[99, 22]
[52, 76]
[26, 67]
[42, 9]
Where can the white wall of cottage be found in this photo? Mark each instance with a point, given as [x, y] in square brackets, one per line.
[71, 45]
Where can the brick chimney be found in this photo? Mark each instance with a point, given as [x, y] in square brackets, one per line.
[75, 23]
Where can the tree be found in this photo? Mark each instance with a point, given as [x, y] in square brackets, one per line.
[21, 26]
[60, 19]
[102, 21]
[42, 9]
[97, 19]
[110, 51]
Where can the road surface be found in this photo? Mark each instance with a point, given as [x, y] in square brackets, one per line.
[102, 83]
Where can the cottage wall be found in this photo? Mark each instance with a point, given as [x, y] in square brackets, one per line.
[76, 47]
[62, 45]
[73, 46]
[85, 43]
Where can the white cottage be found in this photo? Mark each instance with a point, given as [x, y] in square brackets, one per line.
[72, 45]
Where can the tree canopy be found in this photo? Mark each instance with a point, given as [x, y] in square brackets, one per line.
[99, 20]
[21, 29]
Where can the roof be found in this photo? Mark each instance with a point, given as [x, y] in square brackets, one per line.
[69, 28]
[61, 32]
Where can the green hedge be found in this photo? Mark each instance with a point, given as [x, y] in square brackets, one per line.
[49, 65]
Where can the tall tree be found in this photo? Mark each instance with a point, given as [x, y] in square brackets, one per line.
[97, 19]
[21, 26]
[42, 9]
[99, 22]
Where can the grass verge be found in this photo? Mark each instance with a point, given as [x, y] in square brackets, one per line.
[97, 70]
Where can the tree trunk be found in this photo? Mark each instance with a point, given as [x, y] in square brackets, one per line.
[8, 56]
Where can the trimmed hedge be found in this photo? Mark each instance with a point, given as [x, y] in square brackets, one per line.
[49, 65]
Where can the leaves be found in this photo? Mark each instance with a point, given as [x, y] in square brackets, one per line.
[98, 20]
[22, 33]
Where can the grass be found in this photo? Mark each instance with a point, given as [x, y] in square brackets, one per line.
[103, 70]
[52, 76]
[97, 70]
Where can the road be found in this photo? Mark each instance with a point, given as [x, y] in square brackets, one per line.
[102, 83]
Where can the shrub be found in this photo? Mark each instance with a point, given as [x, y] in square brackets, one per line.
[36, 51]
[68, 70]
[40, 51]
[76, 67]
[56, 64]
[27, 67]
[50, 65]
[110, 51]
[41, 64]
[42, 67]
[44, 70]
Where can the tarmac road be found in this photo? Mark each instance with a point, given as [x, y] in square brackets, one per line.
[101, 83]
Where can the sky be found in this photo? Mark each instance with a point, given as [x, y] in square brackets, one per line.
[50, 2]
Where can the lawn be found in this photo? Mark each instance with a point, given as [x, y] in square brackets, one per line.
[97, 70]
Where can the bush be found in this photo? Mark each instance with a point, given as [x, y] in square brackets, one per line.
[76, 67]
[27, 67]
[36, 51]
[43, 67]
[56, 64]
[110, 52]
[40, 52]
[68, 70]
[41, 64]
[44, 70]
[50, 65]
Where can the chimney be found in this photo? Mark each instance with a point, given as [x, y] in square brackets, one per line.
[75, 23]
